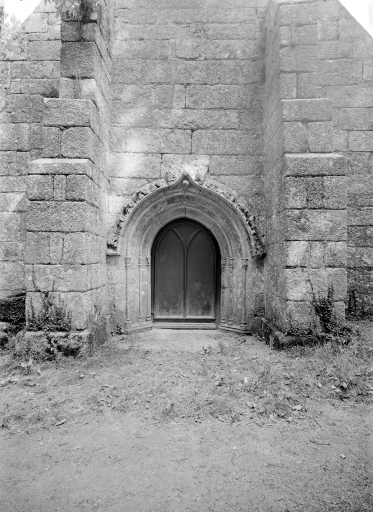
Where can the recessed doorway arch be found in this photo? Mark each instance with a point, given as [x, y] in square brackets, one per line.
[222, 213]
[185, 276]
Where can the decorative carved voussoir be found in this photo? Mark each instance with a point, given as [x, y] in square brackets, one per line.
[186, 181]
[170, 177]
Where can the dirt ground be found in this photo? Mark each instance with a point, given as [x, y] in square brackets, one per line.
[193, 421]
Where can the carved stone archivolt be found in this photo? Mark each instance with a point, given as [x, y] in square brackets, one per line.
[215, 206]
[184, 182]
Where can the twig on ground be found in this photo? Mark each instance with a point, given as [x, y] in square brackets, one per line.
[319, 442]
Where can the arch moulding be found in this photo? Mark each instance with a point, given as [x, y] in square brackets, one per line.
[218, 208]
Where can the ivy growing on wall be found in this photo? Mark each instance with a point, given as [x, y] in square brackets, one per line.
[9, 33]
[79, 10]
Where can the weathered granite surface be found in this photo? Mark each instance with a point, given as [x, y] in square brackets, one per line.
[264, 106]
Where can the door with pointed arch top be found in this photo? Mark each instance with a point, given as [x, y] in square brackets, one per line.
[185, 284]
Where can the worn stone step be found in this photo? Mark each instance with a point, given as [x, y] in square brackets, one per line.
[175, 325]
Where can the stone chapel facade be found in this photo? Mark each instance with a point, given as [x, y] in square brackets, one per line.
[246, 123]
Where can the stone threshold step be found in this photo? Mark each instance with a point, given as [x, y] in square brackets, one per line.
[189, 325]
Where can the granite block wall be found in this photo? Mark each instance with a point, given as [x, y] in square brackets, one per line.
[187, 96]
[306, 189]
[344, 76]
[29, 72]
[66, 218]
[271, 98]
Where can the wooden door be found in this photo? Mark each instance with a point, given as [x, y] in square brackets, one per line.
[184, 273]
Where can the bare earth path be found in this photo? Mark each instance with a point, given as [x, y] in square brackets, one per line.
[109, 438]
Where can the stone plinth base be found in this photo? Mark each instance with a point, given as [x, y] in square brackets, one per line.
[254, 326]
[238, 330]
[137, 328]
[45, 345]
[185, 326]
[277, 340]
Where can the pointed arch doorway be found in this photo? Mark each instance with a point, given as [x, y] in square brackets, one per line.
[185, 276]
[131, 253]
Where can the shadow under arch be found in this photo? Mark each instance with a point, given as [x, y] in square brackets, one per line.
[129, 258]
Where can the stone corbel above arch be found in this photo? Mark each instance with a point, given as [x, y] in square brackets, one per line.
[179, 184]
